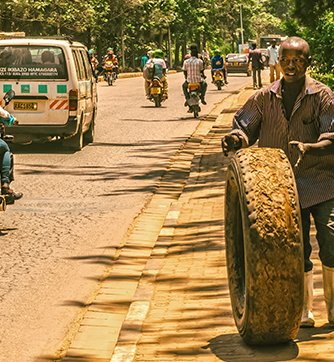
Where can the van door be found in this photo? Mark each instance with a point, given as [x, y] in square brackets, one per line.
[82, 94]
[88, 84]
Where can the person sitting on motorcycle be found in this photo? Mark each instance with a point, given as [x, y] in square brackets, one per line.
[106, 56]
[93, 59]
[111, 62]
[159, 71]
[5, 163]
[193, 70]
[217, 63]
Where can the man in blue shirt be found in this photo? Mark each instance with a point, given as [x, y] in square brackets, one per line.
[217, 63]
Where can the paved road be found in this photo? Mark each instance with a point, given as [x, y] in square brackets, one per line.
[57, 242]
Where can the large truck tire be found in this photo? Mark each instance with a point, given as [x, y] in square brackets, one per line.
[264, 246]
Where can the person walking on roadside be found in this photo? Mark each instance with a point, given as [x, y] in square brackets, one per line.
[273, 53]
[296, 114]
[193, 70]
[255, 56]
[143, 61]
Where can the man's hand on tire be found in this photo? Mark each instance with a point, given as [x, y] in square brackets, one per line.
[230, 142]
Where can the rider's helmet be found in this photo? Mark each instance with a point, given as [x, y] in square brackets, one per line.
[158, 53]
[217, 52]
[110, 52]
[108, 49]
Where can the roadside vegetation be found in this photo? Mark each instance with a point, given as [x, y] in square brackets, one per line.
[131, 26]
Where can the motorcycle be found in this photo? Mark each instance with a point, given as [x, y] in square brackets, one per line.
[218, 77]
[7, 138]
[156, 91]
[194, 90]
[110, 75]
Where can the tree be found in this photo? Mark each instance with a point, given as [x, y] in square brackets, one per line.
[308, 12]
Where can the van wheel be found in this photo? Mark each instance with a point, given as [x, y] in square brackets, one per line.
[89, 135]
[264, 248]
[75, 143]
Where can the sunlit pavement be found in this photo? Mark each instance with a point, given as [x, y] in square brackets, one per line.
[166, 297]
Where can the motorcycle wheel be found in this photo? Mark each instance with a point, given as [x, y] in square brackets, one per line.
[195, 110]
[2, 203]
[219, 85]
[157, 101]
[109, 79]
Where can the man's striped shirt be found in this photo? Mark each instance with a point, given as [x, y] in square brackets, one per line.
[193, 66]
[263, 118]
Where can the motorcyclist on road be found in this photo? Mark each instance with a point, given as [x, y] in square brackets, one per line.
[193, 70]
[160, 70]
[217, 63]
[93, 59]
[5, 160]
[111, 62]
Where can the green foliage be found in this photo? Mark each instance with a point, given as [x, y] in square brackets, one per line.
[327, 78]
[308, 12]
[321, 42]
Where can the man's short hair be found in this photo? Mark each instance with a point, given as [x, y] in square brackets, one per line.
[296, 41]
[193, 49]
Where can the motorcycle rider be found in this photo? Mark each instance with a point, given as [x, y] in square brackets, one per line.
[111, 60]
[217, 63]
[193, 70]
[5, 163]
[93, 59]
[160, 69]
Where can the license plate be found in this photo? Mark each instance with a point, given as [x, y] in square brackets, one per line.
[155, 90]
[236, 64]
[25, 106]
[218, 77]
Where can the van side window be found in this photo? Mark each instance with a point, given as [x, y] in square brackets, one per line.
[82, 56]
[78, 65]
[87, 64]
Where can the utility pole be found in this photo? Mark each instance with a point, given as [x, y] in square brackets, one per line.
[241, 29]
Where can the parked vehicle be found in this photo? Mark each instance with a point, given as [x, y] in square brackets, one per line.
[56, 93]
[238, 63]
[218, 77]
[194, 90]
[156, 91]
[110, 75]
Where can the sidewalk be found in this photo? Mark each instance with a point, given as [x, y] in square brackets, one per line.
[166, 297]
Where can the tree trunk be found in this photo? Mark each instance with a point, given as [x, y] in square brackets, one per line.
[99, 50]
[170, 49]
[123, 50]
[177, 54]
[133, 57]
[89, 38]
[184, 48]
[161, 37]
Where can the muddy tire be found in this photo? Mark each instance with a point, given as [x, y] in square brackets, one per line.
[264, 248]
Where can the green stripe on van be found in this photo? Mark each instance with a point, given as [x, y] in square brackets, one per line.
[6, 87]
[61, 88]
[25, 88]
[42, 88]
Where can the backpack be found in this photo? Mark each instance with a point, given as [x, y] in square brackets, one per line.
[148, 71]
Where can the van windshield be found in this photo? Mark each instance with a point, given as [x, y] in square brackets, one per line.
[32, 62]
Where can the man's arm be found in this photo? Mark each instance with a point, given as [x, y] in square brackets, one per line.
[246, 125]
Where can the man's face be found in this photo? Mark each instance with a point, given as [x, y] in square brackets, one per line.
[293, 61]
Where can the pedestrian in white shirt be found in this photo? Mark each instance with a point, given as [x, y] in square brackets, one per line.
[272, 53]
